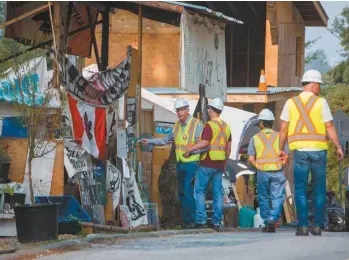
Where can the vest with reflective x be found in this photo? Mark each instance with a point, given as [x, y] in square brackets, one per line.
[266, 144]
[184, 138]
[219, 141]
[306, 128]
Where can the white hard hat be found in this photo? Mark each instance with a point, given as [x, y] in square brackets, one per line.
[312, 76]
[266, 114]
[217, 103]
[180, 103]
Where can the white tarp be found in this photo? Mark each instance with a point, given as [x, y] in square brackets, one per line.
[203, 55]
[76, 160]
[42, 170]
[238, 120]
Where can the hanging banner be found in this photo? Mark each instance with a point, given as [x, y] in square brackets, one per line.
[76, 160]
[203, 56]
[114, 178]
[112, 120]
[37, 28]
[102, 88]
[89, 126]
[19, 85]
[42, 170]
[134, 203]
[66, 122]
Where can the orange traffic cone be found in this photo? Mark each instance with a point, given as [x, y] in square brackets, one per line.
[262, 84]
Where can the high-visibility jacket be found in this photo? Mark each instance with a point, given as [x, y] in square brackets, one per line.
[184, 138]
[266, 144]
[306, 126]
[219, 141]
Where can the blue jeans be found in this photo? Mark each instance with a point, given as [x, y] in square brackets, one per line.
[203, 177]
[185, 178]
[315, 162]
[271, 194]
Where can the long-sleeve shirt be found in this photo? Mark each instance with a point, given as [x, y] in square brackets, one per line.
[169, 139]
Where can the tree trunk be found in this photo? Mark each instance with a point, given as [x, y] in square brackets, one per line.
[31, 190]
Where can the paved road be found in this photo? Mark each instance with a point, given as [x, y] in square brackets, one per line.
[253, 245]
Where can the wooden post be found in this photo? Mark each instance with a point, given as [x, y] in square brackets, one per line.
[139, 85]
[105, 38]
[93, 37]
[57, 34]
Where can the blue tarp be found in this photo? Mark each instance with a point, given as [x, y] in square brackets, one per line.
[13, 127]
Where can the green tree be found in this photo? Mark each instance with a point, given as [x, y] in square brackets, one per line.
[340, 28]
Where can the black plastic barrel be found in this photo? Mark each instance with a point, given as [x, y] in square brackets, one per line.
[36, 223]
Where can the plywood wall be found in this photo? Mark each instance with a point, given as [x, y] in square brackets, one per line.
[17, 149]
[281, 58]
[160, 63]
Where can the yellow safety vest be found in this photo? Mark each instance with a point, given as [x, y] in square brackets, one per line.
[185, 138]
[306, 127]
[219, 141]
[266, 144]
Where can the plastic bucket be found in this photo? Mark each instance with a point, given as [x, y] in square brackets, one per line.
[36, 223]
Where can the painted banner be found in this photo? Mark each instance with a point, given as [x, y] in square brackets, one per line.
[66, 122]
[134, 203]
[203, 56]
[42, 170]
[114, 179]
[76, 160]
[112, 121]
[89, 126]
[89, 200]
[18, 86]
[102, 88]
[37, 28]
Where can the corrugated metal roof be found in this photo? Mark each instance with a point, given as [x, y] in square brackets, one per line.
[242, 90]
[207, 11]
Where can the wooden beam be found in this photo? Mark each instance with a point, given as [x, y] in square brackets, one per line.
[321, 12]
[105, 38]
[18, 18]
[161, 5]
[236, 98]
[93, 37]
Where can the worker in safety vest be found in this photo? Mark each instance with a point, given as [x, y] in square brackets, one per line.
[186, 132]
[263, 151]
[305, 121]
[216, 135]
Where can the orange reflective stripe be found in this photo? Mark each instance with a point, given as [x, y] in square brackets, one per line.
[221, 134]
[268, 144]
[192, 129]
[304, 114]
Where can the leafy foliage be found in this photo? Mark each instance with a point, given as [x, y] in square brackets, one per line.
[340, 27]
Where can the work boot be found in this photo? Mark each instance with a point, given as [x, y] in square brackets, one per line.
[315, 231]
[302, 231]
[216, 227]
[269, 227]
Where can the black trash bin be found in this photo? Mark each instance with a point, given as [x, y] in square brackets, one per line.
[36, 222]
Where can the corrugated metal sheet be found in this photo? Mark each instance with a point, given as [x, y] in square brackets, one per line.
[240, 91]
[207, 11]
